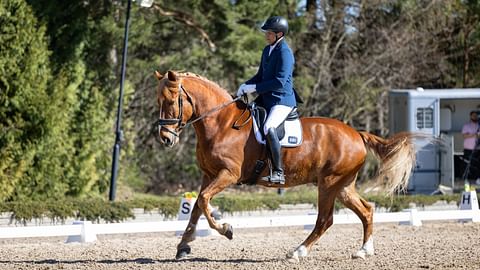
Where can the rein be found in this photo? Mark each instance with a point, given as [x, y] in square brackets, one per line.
[212, 111]
[162, 122]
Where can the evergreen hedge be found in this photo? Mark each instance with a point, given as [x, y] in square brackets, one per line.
[98, 209]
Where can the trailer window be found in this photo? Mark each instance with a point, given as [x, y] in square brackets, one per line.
[425, 117]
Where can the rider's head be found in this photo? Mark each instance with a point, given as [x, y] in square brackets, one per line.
[274, 28]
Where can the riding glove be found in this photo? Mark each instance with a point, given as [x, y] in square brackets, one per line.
[246, 89]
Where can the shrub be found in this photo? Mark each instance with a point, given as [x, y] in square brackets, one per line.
[97, 209]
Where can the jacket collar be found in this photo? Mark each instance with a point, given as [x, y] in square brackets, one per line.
[276, 46]
[277, 43]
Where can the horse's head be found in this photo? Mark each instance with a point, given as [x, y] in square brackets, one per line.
[175, 107]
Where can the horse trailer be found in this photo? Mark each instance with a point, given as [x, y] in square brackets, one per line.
[441, 113]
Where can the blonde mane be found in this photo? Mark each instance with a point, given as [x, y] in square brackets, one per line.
[211, 84]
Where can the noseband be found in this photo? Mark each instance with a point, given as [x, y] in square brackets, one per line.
[162, 122]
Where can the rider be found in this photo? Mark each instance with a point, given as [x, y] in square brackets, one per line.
[274, 84]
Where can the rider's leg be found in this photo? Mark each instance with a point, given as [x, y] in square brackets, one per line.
[276, 116]
[276, 155]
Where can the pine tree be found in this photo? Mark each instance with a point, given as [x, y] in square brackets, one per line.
[24, 74]
[81, 42]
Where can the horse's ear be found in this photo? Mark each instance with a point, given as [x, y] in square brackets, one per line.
[158, 75]
[172, 76]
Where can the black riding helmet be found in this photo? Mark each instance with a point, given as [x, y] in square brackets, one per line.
[276, 24]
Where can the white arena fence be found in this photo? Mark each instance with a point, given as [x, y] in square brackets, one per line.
[85, 231]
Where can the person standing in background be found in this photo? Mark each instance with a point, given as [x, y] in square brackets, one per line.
[471, 152]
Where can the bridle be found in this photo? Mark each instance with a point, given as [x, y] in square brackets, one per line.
[163, 122]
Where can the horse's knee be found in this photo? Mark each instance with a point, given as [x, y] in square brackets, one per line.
[327, 223]
[330, 221]
[202, 201]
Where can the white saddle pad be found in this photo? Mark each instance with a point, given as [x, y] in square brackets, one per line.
[293, 133]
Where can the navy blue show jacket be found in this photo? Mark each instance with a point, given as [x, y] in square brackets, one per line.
[274, 79]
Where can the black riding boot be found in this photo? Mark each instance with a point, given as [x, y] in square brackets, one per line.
[273, 143]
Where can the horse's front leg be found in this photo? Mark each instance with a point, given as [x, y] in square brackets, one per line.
[224, 179]
[183, 249]
[208, 190]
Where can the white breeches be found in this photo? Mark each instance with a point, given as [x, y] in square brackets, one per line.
[277, 114]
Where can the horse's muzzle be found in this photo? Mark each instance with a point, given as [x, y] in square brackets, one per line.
[165, 134]
[167, 137]
[170, 142]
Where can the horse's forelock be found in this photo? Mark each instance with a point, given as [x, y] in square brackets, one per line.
[166, 89]
[172, 85]
[169, 89]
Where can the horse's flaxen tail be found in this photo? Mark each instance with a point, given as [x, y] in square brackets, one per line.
[397, 156]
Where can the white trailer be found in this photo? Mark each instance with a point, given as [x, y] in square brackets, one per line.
[441, 113]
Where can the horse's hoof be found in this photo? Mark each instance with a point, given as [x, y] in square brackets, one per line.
[228, 231]
[363, 253]
[293, 260]
[292, 257]
[359, 255]
[295, 255]
[183, 252]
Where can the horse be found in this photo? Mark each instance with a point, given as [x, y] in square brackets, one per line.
[330, 156]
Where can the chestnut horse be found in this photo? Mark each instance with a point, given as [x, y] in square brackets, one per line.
[330, 156]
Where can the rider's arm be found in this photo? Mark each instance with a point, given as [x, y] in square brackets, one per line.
[283, 72]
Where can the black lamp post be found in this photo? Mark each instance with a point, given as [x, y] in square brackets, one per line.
[118, 131]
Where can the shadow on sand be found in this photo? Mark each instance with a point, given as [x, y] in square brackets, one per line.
[137, 261]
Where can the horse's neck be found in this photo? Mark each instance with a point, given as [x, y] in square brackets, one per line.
[208, 97]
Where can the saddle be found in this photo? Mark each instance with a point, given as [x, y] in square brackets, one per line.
[289, 132]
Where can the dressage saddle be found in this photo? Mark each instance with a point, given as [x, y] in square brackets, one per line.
[260, 115]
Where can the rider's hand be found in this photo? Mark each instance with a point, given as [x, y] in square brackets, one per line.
[246, 89]
[240, 90]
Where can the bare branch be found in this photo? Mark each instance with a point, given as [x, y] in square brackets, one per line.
[187, 20]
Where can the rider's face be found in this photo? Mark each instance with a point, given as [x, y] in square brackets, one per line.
[270, 37]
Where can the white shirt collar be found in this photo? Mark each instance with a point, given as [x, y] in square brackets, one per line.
[273, 46]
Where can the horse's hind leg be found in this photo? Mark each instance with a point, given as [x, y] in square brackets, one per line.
[326, 200]
[350, 198]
